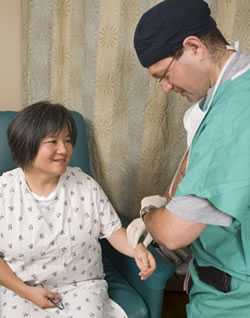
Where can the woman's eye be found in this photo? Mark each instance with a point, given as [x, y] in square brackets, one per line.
[68, 141]
[51, 141]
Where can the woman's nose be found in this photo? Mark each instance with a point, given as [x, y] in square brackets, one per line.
[61, 147]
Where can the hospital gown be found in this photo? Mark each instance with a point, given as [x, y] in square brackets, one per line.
[54, 241]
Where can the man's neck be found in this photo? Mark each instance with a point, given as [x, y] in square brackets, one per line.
[218, 66]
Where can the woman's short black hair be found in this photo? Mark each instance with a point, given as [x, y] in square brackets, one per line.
[34, 123]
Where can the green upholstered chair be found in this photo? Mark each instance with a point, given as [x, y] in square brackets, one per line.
[140, 299]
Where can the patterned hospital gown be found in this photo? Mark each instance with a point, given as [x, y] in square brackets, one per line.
[54, 241]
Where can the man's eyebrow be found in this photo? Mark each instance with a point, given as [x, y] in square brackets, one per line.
[154, 74]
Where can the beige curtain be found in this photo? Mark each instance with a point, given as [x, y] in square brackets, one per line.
[233, 18]
[80, 53]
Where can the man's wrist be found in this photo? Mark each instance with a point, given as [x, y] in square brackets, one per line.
[146, 210]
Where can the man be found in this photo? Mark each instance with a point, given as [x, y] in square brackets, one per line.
[180, 45]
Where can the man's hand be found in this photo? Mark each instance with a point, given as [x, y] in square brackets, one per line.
[137, 227]
[145, 261]
[135, 230]
[41, 296]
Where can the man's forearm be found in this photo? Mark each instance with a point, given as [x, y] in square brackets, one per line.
[154, 225]
[170, 230]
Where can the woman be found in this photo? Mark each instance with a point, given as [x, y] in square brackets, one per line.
[51, 219]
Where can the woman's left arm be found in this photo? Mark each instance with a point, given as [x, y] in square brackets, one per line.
[143, 258]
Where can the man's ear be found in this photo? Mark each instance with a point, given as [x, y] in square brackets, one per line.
[194, 44]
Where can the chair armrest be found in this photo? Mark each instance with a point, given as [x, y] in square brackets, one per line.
[152, 289]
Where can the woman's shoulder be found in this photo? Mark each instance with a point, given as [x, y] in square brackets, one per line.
[10, 176]
[78, 176]
[10, 182]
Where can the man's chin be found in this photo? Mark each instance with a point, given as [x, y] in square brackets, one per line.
[191, 98]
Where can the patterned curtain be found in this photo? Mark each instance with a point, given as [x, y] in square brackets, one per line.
[80, 53]
[233, 18]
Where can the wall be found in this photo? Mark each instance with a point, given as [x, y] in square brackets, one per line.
[10, 56]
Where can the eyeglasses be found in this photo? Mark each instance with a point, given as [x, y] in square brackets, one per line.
[175, 57]
[166, 72]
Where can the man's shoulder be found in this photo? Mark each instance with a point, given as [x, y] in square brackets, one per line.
[236, 89]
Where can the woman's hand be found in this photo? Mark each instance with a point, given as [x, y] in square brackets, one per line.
[41, 296]
[144, 260]
[37, 294]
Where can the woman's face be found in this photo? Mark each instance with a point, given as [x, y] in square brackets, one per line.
[53, 155]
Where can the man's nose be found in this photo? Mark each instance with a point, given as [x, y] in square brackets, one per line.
[166, 85]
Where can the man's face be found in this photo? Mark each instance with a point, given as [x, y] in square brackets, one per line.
[185, 75]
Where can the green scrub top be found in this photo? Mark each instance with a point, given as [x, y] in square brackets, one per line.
[219, 171]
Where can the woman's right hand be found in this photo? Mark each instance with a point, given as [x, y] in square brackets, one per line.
[41, 296]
